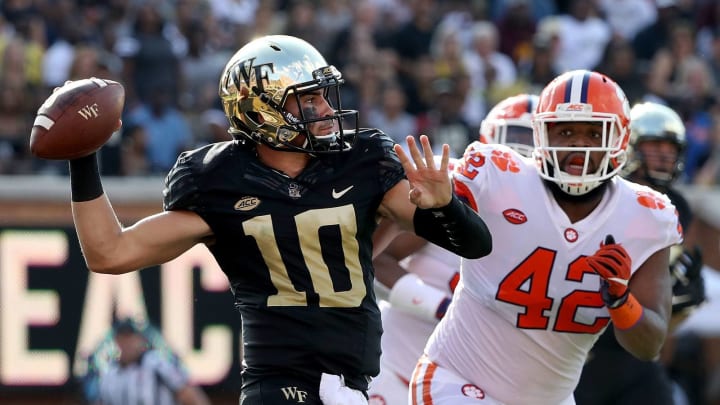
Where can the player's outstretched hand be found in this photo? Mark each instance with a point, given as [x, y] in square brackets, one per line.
[429, 184]
[612, 263]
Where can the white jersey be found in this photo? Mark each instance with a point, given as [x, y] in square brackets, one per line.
[524, 317]
[405, 335]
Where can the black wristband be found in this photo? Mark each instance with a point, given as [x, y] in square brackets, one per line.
[455, 227]
[85, 184]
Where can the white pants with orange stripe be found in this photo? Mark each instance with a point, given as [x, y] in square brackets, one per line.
[434, 385]
[388, 388]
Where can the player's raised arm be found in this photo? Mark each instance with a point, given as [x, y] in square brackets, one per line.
[72, 124]
[426, 204]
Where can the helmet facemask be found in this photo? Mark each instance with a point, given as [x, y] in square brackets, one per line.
[614, 153]
[586, 97]
[517, 134]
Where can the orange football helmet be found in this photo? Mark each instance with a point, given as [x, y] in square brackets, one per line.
[582, 96]
[510, 123]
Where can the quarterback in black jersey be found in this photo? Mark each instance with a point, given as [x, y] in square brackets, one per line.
[612, 376]
[288, 209]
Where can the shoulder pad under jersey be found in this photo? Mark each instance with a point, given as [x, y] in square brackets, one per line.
[183, 182]
[377, 144]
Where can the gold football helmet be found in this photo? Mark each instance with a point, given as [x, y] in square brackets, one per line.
[271, 71]
[655, 122]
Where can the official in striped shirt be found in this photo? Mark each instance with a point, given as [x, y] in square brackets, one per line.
[143, 376]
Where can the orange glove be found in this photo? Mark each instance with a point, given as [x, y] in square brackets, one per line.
[612, 263]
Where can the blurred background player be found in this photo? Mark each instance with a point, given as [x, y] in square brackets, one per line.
[657, 145]
[509, 123]
[423, 276]
[568, 257]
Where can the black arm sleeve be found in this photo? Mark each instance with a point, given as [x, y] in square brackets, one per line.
[455, 227]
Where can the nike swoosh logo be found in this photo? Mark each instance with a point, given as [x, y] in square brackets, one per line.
[338, 194]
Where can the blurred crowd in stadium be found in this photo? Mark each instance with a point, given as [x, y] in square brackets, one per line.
[412, 66]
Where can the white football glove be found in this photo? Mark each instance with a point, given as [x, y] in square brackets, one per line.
[333, 391]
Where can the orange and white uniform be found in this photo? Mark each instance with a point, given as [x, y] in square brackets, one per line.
[524, 318]
[404, 334]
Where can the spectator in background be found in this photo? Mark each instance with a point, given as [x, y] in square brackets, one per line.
[669, 66]
[539, 8]
[168, 132]
[134, 151]
[199, 69]
[538, 70]
[707, 24]
[446, 51]
[445, 120]
[390, 115]
[214, 127]
[712, 56]
[267, 21]
[16, 116]
[656, 35]
[516, 29]
[709, 173]
[619, 63]
[30, 30]
[150, 57]
[365, 27]
[582, 37]
[412, 40]
[334, 16]
[59, 56]
[488, 69]
[142, 375]
[301, 23]
[627, 17]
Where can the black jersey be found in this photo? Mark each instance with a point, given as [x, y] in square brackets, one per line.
[297, 251]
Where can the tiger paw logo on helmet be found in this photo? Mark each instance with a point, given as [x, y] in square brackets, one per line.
[651, 200]
[504, 161]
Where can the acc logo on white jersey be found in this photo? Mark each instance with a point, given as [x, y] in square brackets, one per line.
[515, 216]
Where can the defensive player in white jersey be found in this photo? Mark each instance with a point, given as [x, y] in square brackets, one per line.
[575, 247]
[509, 123]
[423, 275]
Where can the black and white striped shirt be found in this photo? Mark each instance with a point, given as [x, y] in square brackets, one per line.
[153, 380]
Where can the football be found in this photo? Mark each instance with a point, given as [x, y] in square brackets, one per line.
[77, 119]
